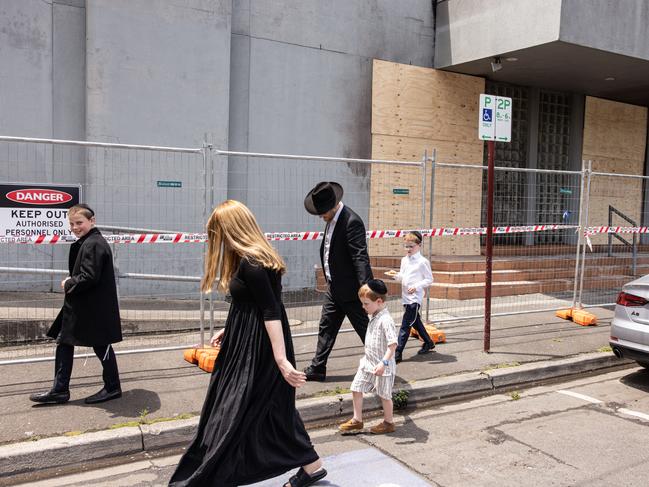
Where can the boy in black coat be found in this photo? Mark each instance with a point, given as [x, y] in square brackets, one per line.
[90, 313]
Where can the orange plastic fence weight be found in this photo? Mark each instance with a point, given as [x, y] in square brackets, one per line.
[207, 359]
[192, 355]
[438, 336]
[583, 318]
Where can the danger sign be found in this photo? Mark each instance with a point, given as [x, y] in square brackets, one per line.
[31, 210]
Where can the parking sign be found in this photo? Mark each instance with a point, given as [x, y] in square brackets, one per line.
[495, 121]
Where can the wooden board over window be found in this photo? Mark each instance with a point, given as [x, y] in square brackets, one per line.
[414, 110]
[614, 140]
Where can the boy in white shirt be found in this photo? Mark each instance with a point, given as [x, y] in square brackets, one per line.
[377, 368]
[415, 276]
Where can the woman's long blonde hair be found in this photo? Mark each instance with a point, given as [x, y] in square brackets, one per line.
[233, 233]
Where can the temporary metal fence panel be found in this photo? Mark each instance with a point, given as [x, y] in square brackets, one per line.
[385, 194]
[152, 203]
[613, 254]
[133, 190]
[534, 257]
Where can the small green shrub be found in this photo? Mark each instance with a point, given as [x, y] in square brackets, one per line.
[400, 399]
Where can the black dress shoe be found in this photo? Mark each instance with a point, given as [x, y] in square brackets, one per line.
[103, 396]
[314, 375]
[425, 348]
[50, 397]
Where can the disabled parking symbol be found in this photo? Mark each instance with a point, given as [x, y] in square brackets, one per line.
[487, 115]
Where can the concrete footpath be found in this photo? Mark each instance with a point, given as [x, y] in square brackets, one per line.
[163, 394]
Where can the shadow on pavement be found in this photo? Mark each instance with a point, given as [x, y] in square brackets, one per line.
[431, 358]
[638, 380]
[410, 433]
[131, 404]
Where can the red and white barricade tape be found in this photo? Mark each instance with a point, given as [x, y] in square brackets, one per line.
[589, 231]
[175, 238]
[596, 230]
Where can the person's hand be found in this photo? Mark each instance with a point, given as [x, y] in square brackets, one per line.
[391, 273]
[63, 282]
[216, 340]
[294, 377]
[412, 290]
[379, 369]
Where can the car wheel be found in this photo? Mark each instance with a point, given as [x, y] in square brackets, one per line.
[643, 364]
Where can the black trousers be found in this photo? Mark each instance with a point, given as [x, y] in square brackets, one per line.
[64, 359]
[333, 314]
[411, 317]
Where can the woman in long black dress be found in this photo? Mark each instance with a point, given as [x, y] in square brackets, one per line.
[249, 429]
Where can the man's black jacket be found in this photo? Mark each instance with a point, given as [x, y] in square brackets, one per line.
[349, 263]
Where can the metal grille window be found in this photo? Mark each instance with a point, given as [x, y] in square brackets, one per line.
[553, 206]
[509, 190]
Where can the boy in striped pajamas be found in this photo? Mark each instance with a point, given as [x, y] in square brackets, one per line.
[377, 368]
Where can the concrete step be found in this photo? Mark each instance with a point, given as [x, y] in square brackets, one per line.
[477, 263]
[463, 277]
[513, 288]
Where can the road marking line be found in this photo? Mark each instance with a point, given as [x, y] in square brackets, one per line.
[634, 413]
[580, 396]
[90, 475]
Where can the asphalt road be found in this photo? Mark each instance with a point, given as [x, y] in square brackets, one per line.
[592, 431]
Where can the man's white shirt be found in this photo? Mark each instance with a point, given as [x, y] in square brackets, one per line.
[414, 272]
[327, 243]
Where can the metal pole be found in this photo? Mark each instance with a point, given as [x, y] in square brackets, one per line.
[580, 232]
[583, 254]
[489, 263]
[200, 291]
[116, 270]
[202, 317]
[423, 197]
[205, 180]
[635, 253]
[423, 189]
[211, 313]
[316, 158]
[610, 235]
[85, 143]
[430, 223]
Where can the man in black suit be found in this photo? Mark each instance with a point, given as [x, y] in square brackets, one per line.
[346, 266]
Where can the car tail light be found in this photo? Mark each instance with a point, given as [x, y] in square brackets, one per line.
[630, 300]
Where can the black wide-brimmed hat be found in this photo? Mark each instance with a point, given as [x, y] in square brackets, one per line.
[325, 196]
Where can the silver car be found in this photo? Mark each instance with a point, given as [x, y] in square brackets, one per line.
[630, 325]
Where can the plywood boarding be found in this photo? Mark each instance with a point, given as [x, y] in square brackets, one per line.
[415, 110]
[614, 140]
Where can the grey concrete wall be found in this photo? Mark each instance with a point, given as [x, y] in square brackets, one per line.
[26, 74]
[288, 76]
[618, 26]
[467, 30]
[157, 74]
[42, 94]
[158, 71]
[301, 83]
[69, 70]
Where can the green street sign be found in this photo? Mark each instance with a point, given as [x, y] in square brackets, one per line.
[169, 184]
[400, 191]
